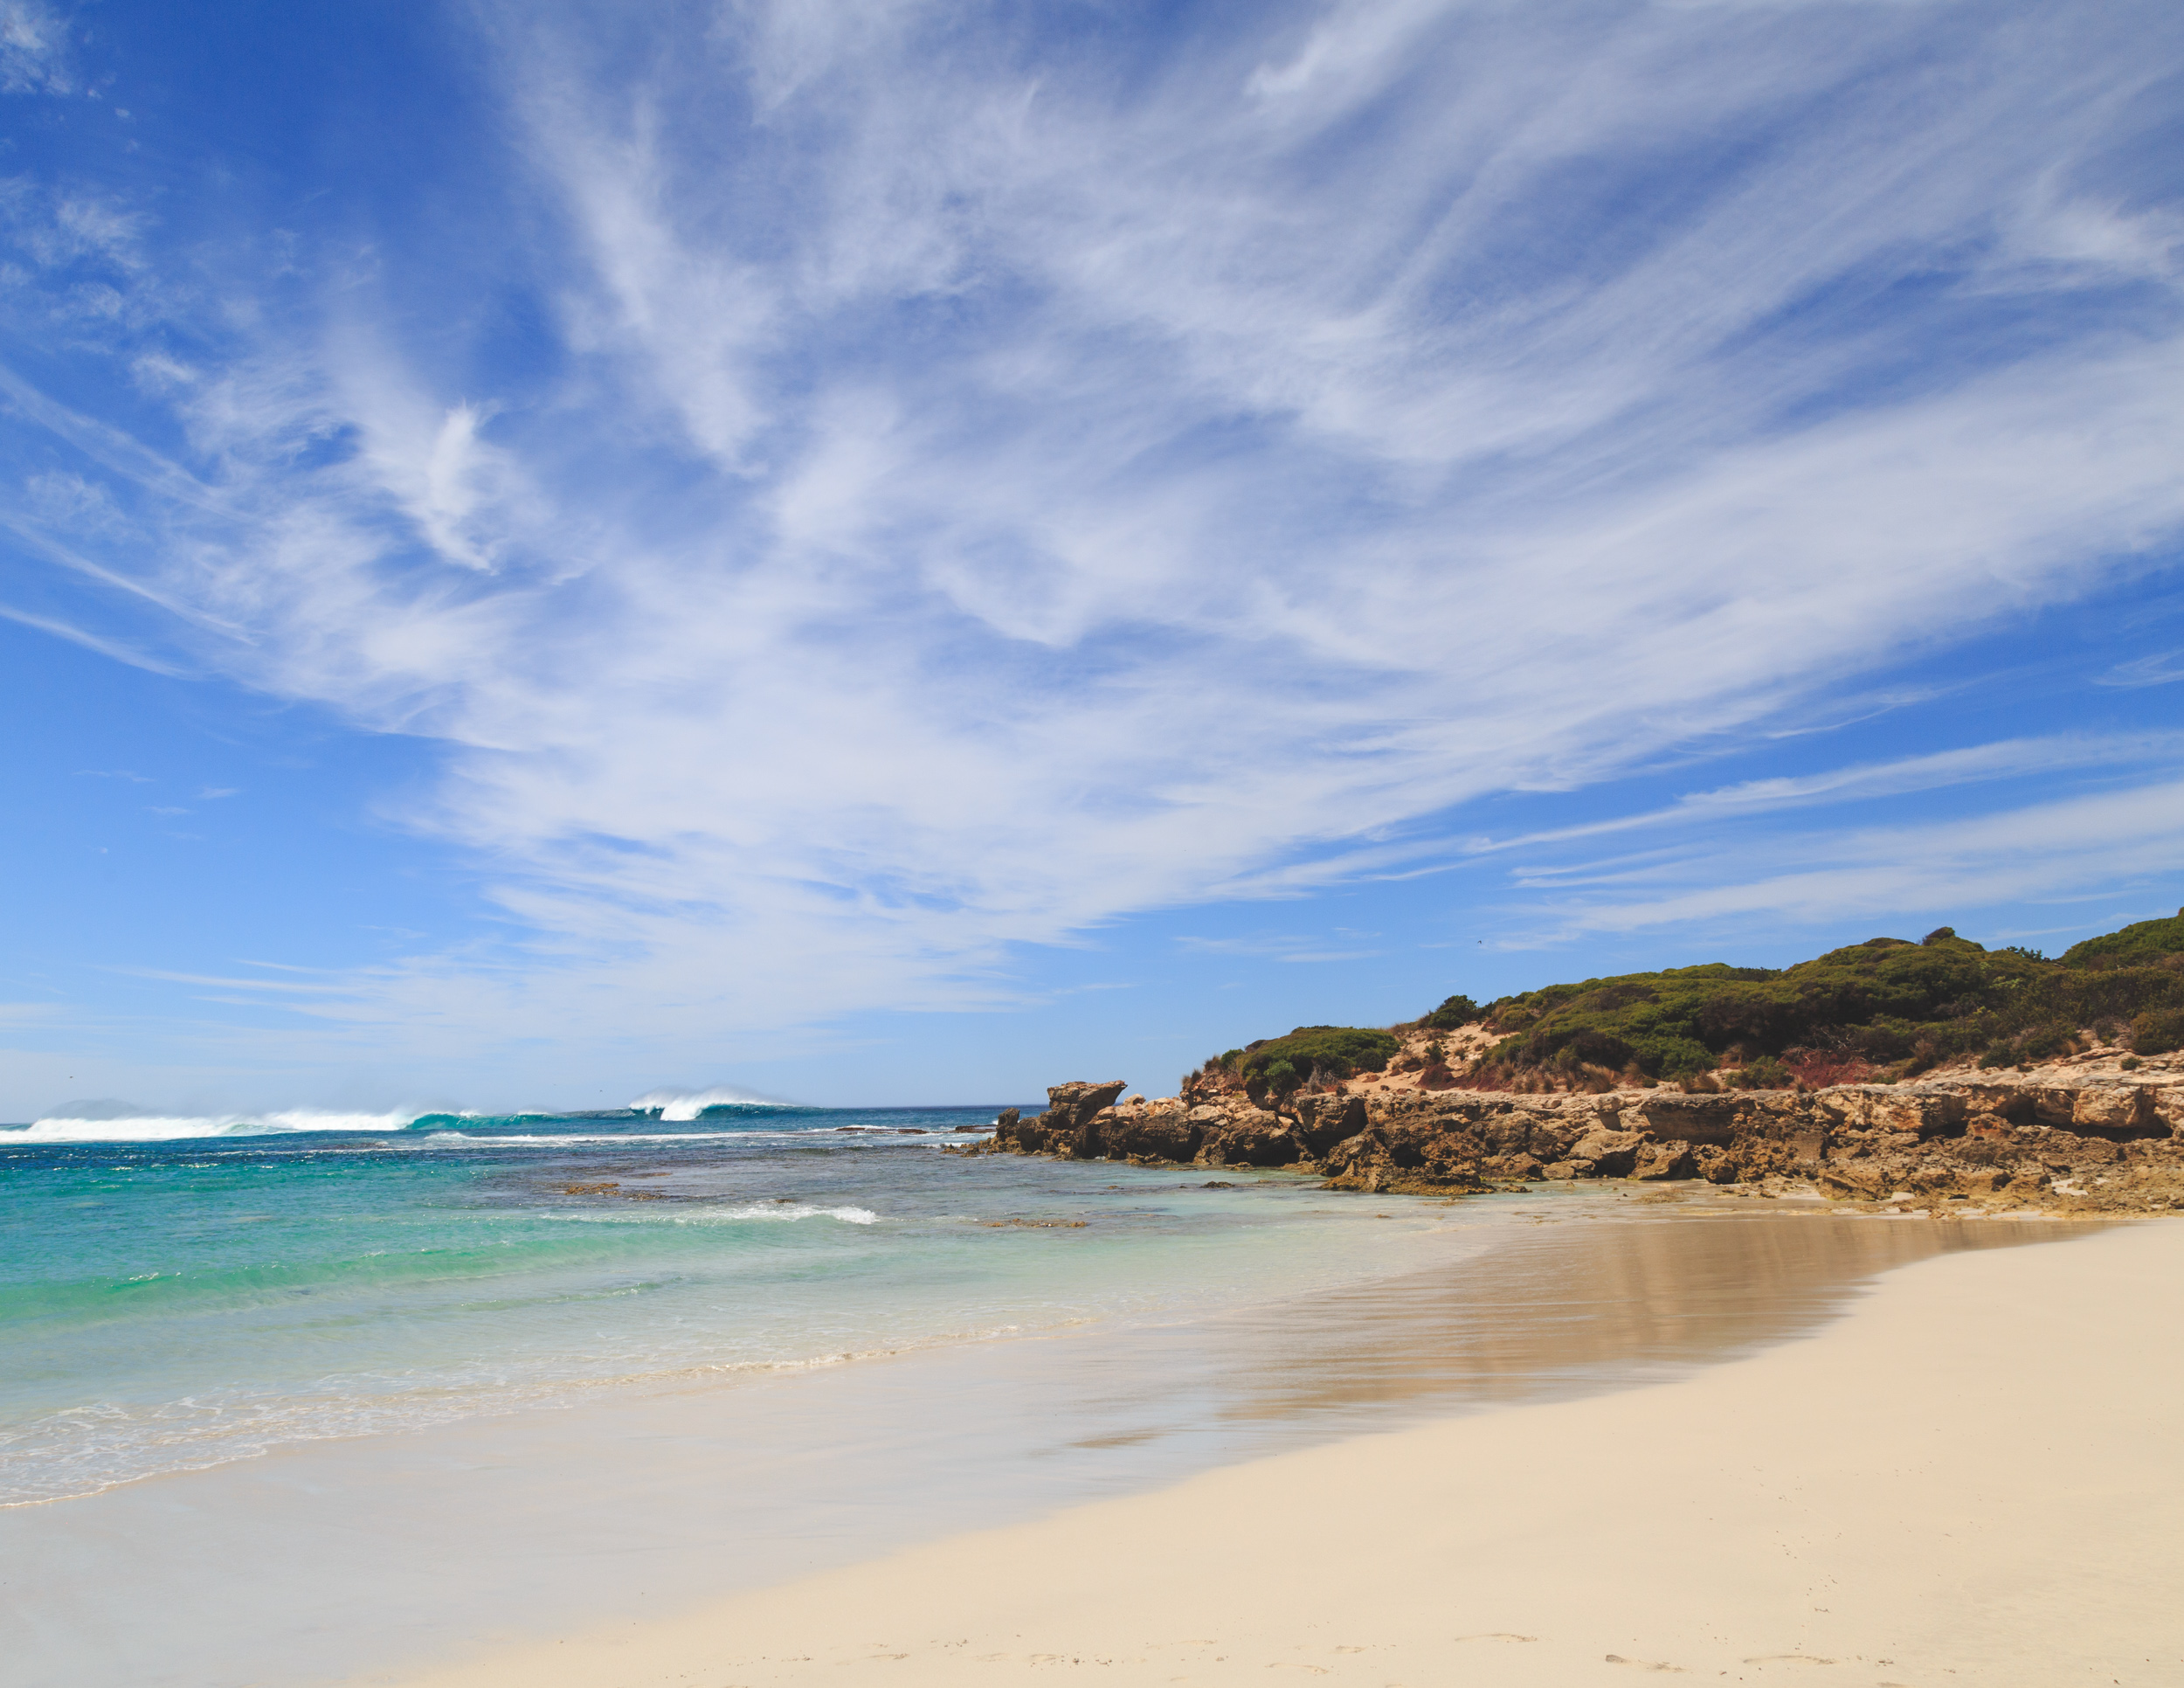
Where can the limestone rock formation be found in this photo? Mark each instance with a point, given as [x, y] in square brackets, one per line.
[1068, 1127]
[2062, 1139]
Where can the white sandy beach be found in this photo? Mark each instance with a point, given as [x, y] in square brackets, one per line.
[1977, 1477]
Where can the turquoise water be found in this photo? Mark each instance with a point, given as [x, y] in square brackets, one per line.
[175, 1294]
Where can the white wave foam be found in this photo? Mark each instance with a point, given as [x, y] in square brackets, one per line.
[162, 1128]
[765, 1210]
[689, 1105]
[556, 1138]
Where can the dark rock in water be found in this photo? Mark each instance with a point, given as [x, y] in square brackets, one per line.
[1067, 1127]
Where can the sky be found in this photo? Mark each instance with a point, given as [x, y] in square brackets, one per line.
[884, 552]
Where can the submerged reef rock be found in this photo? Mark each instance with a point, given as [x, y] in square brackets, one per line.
[2063, 1139]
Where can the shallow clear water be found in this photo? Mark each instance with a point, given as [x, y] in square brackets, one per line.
[175, 1294]
[372, 1557]
[177, 1297]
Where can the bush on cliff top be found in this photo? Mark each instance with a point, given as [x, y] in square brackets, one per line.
[1456, 1011]
[1886, 1002]
[2135, 946]
[1324, 1051]
[1883, 1001]
[2157, 1032]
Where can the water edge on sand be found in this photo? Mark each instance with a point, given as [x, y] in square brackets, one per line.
[332, 1560]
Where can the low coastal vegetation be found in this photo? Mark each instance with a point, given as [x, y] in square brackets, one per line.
[1884, 1010]
[1939, 1077]
[1309, 1054]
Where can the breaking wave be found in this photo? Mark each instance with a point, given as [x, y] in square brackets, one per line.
[107, 1124]
[669, 1103]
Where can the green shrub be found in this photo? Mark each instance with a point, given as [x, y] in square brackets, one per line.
[2045, 1043]
[2157, 1032]
[2147, 940]
[1330, 1051]
[1456, 1011]
[1281, 1076]
[1764, 1074]
[1883, 1003]
[1660, 1056]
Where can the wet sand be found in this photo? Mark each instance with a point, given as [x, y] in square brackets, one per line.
[372, 1558]
[1975, 1476]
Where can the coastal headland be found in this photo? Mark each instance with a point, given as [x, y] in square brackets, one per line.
[1939, 1076]
[2071, 1140]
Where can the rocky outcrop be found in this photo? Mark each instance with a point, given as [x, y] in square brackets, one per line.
[1070, 1125]
[2061, 1140]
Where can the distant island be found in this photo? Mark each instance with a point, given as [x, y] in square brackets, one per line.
[1939, 1077]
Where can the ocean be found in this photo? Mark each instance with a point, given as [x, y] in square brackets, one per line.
[177, 1293]
[308, 1399]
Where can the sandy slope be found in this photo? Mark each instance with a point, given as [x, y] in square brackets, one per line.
[1976, 1477]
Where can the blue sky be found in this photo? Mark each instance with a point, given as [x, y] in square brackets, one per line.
[890, 552]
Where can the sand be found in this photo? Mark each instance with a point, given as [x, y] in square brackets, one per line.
[1976, 1476]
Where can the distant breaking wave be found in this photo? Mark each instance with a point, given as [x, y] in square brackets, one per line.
[110, 1122]
[690, 1104]
[125, 1122]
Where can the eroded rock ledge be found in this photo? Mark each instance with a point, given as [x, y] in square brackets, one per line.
[2065, 1142]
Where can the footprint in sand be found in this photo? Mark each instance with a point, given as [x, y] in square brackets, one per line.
[1498, 1635]
[1648, 1664]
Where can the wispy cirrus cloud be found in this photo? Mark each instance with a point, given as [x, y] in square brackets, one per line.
[1340, 945]
[2160, 669]
[2055, 852]
[1938, 770]
[981, 480]
[34, 57]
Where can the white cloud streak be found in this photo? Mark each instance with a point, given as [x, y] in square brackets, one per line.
[2048, 852]
[991, 485]
[33, 49]
[2007, 759]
